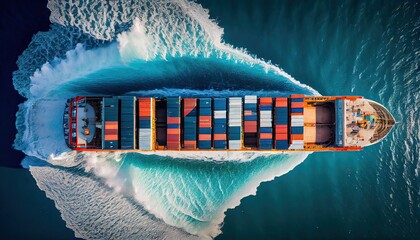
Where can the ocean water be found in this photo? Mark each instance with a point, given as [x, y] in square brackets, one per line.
[160, 48]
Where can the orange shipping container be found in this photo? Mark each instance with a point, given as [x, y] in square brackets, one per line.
[110, 137]
[219, 136]
[281, 102]
[111, 125]
[204, 125]
[204, 136]
[205, 118]
[266, 136]
[296, 137]
[174, 131]
[266, 101]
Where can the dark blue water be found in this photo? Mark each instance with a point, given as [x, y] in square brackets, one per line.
[338, 48]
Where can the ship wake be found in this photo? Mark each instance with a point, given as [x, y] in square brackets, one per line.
[145, 48]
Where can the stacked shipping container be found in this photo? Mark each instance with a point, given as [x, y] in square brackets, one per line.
[190, 123]
[110, 117]
[250, 121]
[173, 123]
[235, 123]
[204, 125]
[127, 122]
[146, 118]
[282, 120]
[296, 123]
[266, 123]
[220, 124]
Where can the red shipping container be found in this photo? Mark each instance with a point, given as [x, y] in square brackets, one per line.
[250, 126]
[281, 136]
[281, 128]
[189, 105]
[297, 105]
[173, 131]
[297, 96]
[174, 120]
[111, 131]
[250, 123]
[173, 147]
[190, 101]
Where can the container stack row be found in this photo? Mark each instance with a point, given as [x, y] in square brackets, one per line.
[110, 108]
[204, 123]
[173, 123]
[220, 124]
[127, 122]
[339, 121]
[190, 123]
[281, 122]
[296, 123]
[235, 123]
[146, 112]
[250, 121]
[266, 123]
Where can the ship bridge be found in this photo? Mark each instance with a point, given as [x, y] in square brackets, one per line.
[366, 122]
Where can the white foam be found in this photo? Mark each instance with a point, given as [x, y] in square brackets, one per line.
[43, 131]
[213, 155]
[95, 211]
[77, 64]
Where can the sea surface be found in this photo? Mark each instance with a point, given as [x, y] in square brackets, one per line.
[226, 48]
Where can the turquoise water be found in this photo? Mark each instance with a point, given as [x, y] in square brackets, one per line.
[174, 48]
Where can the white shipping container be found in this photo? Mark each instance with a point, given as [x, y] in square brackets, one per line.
[297, 118]
[235, 144]
[296, 144]
[251, 99]
[145, 139]
[220, 114]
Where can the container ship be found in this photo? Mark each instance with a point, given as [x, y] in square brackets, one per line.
[249, 123]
